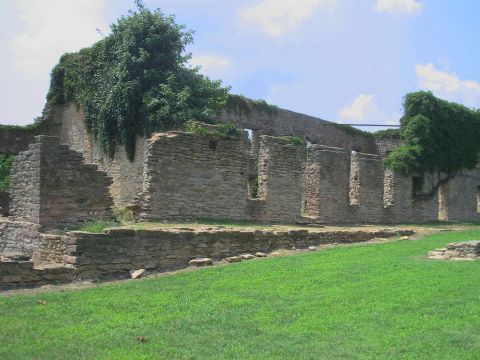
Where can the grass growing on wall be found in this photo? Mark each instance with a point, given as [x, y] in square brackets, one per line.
[383, 301]
[98, 226]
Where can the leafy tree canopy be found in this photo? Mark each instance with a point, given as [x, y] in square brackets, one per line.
[136, 80]
[439, 136]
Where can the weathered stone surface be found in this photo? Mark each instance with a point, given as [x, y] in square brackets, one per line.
[312, 248]
[52, 187]
[260, 254]
[201, 262]
[19, 273]
[234, 259]
[19, 236]
[468, 250]
[189, 176]
[280, 180]
[247, 256]
[137, 274]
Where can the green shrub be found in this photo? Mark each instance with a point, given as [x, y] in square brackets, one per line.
[438, 135]
[242, 105]
[223, 131]
[350, 130]
[389, 133]
[295, 140]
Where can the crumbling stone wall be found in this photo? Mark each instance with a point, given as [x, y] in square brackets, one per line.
[19, 236]
[25, 185]
[459, 197]
[18, 271]
[189, 176]
[398, 197]
[14, 140]
[366, 187]
[118, 251]
[425, 204]
[280, 179]
[327, 174]
[67, 123]
[286, 122]
[52, 187]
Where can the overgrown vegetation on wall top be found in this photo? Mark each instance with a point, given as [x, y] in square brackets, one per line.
[136, 80]
[439, 136]
[223, 131]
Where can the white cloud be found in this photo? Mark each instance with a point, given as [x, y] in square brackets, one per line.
[364, 110]
[279, 16]
[211, 65]
[448, 85]
[53, 27]
[399, 6]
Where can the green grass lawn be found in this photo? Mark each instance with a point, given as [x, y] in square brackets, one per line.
[382, 301]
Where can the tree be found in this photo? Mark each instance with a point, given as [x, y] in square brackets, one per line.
[136, 81]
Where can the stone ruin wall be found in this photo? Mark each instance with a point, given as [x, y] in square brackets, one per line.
[67, 124]
[286, 122]
[190, 176]
[280, 179]
[327, 185]
[459, 198]
[52, 188]
[118, 251]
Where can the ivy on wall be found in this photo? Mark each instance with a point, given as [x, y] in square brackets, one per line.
[439, 136]
[136, 81]
[6, 162]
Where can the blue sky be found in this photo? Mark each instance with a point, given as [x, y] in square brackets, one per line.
[350, 61]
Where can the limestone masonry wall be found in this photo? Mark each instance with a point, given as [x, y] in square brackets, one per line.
[366, 187]
[280, 178]
[398, 197]
[327, 184]
[190, 176]
[52, 187]
[25, 185]
[18, 271]
[19, 236]
[459, 197]
[119, 251]
[67, 123]
[285, 122]
[179, 176]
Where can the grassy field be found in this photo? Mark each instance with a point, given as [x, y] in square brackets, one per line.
[381, 301]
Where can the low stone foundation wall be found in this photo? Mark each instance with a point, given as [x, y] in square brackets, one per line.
[119, 251]
[19, 236]
[20, 272]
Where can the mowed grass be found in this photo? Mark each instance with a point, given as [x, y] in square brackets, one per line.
[379, 301]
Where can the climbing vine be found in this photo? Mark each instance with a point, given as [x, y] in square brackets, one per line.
[6, 162]
[136, 81]
[439, 136]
